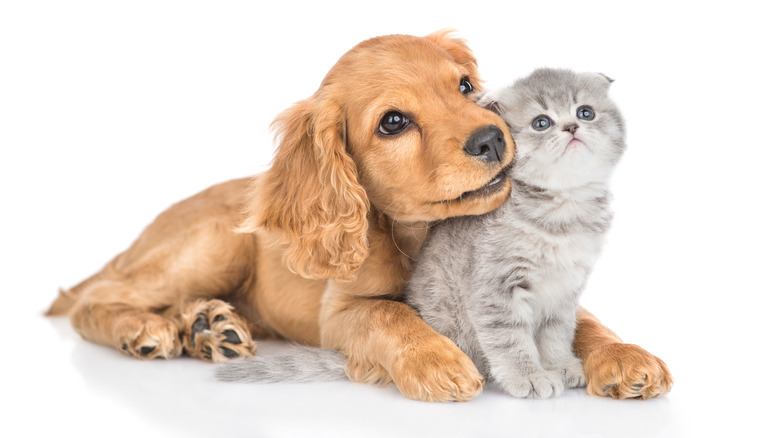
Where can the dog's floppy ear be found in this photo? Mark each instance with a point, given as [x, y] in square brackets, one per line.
[460, 52]
[311, 197]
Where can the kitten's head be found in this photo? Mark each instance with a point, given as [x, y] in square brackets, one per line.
[567, 132]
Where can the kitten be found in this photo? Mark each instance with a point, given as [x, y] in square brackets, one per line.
[505, 286]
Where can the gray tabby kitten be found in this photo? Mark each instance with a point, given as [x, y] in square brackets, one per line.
[505, 286]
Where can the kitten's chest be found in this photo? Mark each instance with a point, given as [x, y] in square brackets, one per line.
[555, 266]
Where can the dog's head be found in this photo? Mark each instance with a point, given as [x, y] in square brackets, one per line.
[392, 130]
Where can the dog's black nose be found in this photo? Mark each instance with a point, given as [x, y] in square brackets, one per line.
[486, 143]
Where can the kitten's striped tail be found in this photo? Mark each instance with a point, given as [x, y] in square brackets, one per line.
[304, 365]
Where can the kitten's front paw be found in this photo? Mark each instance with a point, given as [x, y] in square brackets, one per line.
[572, 373]
[543, 384]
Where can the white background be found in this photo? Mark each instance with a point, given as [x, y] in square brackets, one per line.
[111, 111]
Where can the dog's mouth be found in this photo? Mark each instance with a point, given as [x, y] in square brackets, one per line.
[494, 186]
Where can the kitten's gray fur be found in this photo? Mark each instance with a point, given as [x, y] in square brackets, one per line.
[505, 286]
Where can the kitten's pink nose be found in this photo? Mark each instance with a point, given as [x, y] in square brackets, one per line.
[571, 127]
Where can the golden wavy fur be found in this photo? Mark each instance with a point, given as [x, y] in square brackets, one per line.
[317, 248]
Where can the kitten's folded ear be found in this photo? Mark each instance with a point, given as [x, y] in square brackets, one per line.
[489, 101]
[600, 80]
[609, 79]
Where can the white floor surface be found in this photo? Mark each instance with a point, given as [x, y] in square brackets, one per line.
[60, 385]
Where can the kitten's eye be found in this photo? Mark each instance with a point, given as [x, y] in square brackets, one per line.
[392, 123]
[465, 86]
[541, 123]
[585, 113]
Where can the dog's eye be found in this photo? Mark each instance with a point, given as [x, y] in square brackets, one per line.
[393, 123]
[541, 123]
[465, 86]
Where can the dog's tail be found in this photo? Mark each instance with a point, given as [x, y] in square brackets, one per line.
[67, 298]
[62, 304]
[303, 365]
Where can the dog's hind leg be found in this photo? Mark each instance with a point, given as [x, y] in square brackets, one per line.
[102, 316]
[207, 329]
[160, 296]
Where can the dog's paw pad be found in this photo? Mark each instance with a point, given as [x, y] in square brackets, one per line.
[225, 337]
[231, 337]
[228, 353]
[200, 325]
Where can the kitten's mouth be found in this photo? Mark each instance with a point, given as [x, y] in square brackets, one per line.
[574, 143]
[494, 186]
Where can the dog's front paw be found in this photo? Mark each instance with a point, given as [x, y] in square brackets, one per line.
[542, 384]
[436, 370]
[626, 371]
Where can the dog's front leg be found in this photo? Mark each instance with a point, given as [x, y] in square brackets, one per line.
[615, 369]
[387, 340]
